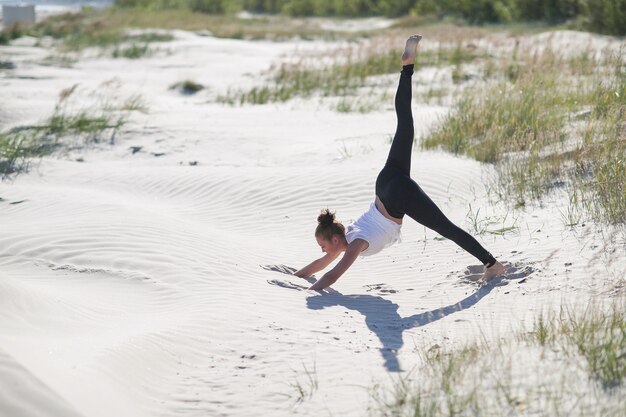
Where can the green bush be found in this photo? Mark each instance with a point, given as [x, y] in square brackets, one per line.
[606, 16]
[153, 4]
[11, 32]
[603, 16]
[214, 6]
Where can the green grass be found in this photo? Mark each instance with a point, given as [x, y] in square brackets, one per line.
[509, 118]
[134, 51]
[134, 102]
[89, 28]
[495, 225]
[16, 151]
[108, 28]
[64, 129]
[11, 32]
[527, 125]
[599, 337]
[83, 123]
[604, 16]
[349, 70]
[567, 359]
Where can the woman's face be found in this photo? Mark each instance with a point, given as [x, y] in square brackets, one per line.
[331, 247]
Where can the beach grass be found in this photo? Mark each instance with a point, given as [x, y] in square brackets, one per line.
[66, 128]
[88, 29]
[547, 122]
[480, 225]
[601, 339]
[7, 65]
[15, 152]
[347, 70]
[570, 364]
[11, 32]
[306, 387]
[597, 336]
[133, 51]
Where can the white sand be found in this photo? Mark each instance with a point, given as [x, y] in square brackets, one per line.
[132, 284]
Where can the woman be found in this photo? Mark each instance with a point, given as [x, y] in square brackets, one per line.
[396, 195]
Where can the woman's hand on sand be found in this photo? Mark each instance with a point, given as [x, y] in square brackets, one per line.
[283, 269]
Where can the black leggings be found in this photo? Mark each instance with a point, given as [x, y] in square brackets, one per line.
[401, 195]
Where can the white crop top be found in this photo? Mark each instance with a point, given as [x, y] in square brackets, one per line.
[375, 229]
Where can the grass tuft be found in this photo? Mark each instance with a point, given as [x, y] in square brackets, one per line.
[10, 32]
[64, 129]
[601, 339]
[15, 149]
[133, 51]
[570, 364]
[187, 87]
[307, 388]
[7, 65]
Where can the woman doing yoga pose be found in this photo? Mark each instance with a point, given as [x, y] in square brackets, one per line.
[396, 195]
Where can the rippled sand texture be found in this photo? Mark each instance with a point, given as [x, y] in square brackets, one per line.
[157, 283]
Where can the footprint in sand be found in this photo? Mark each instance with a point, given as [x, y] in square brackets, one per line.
[511, 271]
[381, 289]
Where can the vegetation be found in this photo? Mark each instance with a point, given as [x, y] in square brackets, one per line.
[134, 51]
[599, 337]
[550, 122]
[350, 70]
[569, 364]
[64, 129]
[187, 87]
[604, 16]
[305, 390]
[108, 28]
[6, 65]
[547, 121]
[15, 149]
[11, 32]
[90, 28]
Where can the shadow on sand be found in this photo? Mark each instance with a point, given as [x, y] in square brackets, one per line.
[381, 315]
[382, 318]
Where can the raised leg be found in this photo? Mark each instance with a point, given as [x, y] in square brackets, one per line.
[400, 152]
[419, 207]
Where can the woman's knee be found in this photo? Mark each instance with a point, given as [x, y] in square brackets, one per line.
[447, 229]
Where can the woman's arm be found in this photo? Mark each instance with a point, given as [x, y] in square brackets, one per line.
[315, 266]
[352, 252]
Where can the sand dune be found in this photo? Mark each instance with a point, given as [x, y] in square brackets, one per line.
[136, 284]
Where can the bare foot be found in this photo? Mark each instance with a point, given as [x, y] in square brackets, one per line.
[492, 272]
[410, 49]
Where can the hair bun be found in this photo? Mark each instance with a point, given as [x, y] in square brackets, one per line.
[328, 226]
[326, 217]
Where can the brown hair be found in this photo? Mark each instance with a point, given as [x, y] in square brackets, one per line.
[328, 225]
